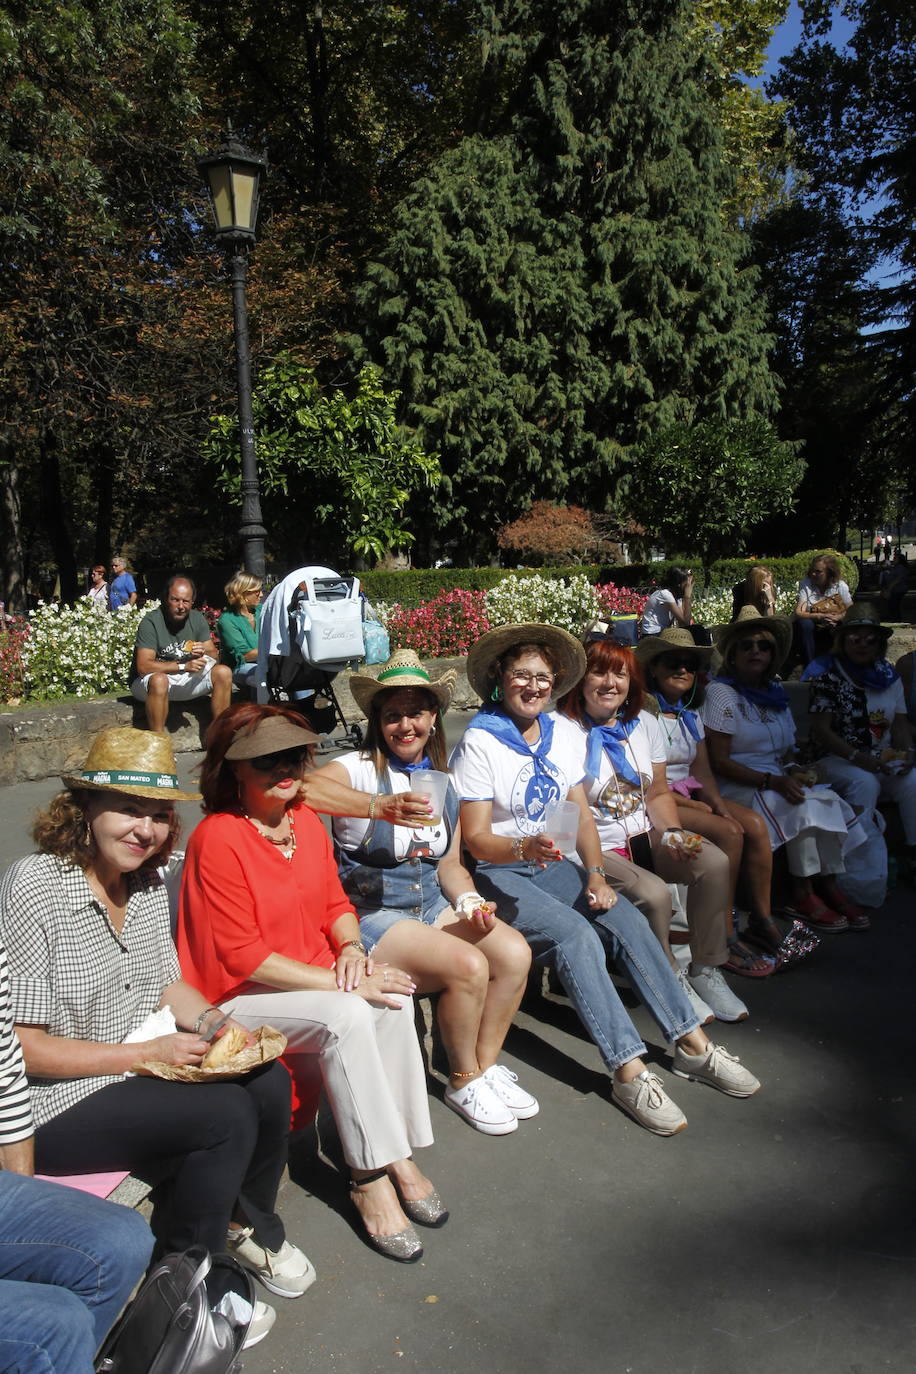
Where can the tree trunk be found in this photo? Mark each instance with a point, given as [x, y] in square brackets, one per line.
[12, 561]
[55, 520]
[103, 476]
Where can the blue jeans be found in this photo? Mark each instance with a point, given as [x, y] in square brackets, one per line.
[68, 1264]
[549, 907]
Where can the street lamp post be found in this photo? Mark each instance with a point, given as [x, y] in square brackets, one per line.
[233, 175]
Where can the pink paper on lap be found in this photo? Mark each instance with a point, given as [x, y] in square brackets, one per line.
[99, 1185]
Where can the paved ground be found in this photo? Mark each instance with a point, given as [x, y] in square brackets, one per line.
[775, 1234]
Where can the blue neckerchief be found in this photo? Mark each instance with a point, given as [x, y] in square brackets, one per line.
[610, 739]
[683, 713]
[424, 764]
[773, 696]
[492, 717]
[876, 676]
[817, 667]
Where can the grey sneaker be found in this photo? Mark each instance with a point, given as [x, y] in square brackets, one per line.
[645, 1100]
[699, 1007]
[262, 1320]
[286, 1272]
[709, 984]
[718, 1068]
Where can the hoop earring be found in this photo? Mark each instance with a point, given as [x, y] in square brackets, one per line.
[432, 729]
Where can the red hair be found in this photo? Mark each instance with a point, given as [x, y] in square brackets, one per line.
[607, 656]
[218, 784]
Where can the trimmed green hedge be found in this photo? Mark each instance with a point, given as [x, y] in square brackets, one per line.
[411, 586]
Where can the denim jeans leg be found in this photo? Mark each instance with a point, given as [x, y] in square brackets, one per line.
[44, 1330]
[632, 946]
[53, 1235]
[538, 902]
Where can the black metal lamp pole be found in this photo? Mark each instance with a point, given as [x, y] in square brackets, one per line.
[233, 174]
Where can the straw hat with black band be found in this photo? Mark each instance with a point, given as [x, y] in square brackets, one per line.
[271, 735]
[139, 763]
[403, 669]
[672, 640]
[750, 621]
[861, 616]
[566, 651]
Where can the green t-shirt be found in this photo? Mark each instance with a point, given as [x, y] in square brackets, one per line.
[236, 636]
[153, 633]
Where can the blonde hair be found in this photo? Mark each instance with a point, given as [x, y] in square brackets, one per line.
[754, 583]
[238, 587]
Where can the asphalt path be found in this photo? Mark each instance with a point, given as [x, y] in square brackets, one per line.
[774, 1234]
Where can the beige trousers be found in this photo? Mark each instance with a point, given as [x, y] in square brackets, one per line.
[370, 1064]
[707, 881]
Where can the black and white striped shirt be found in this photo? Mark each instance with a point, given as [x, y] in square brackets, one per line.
[15, 1106]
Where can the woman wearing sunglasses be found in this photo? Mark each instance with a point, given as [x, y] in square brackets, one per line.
[672, 663]
[751, 737]
[271, 936]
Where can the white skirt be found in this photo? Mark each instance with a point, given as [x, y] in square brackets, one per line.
[821, 809]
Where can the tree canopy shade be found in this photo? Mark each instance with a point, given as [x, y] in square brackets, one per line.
[562, 284]
[703, 486]
[336, 472]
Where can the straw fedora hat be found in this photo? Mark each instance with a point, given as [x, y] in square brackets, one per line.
[139, 763]
[403, 669]
[750, 620]
[864, 615]
[564, 648]
[675, 637]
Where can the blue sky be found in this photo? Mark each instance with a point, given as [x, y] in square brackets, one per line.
[788, 34]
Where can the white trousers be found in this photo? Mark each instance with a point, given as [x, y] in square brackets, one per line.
[370, 1064]
[864, 790]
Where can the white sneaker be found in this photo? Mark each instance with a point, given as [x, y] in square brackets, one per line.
[700, 1009]
[481, 1108]
[286, 1272]
[262, 1320]
[505, 1084]
[645, 1100]
[709, 984]
[718, 1068]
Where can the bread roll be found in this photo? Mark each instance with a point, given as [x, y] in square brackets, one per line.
[225, 1048]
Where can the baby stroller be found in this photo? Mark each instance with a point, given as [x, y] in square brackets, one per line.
[311, 629]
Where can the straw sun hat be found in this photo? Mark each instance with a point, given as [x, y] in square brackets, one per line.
[139, 763]
[750, 621]
[651, 647]
[567, 652]
[403, 669]
[861, 615]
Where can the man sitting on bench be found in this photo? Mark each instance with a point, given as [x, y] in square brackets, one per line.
[175, 657]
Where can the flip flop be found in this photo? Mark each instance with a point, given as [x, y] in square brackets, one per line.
[741, 960]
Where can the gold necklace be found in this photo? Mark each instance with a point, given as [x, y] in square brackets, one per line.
[286, 843]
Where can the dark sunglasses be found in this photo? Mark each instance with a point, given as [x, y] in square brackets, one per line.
[266, 763]
[747, 644]
[673, 664]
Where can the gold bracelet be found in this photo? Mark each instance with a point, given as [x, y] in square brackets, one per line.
[518, 848]
[372, 805]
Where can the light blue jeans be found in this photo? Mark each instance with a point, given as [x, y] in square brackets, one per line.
[68, 1264]
[549, 907]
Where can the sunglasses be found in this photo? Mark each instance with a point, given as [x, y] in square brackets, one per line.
[746, 645]
[864, 636]
[266, 763]
[672, 664]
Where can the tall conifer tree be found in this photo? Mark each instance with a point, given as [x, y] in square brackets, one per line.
[563, 282]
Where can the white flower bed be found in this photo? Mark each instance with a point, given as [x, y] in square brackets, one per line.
[570, 605]
[78, 650]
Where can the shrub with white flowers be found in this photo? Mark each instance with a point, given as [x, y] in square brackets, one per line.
[571, 604]
[78, 650]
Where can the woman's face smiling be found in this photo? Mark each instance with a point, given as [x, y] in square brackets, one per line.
[406, 721]
[605, 693]
[126, 830]
[524, 697]
[263, 788]
[675, 674]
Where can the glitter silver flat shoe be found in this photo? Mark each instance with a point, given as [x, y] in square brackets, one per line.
[425, 1211]
[404, 1246]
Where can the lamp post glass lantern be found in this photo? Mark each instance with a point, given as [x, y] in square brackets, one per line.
[233, 175]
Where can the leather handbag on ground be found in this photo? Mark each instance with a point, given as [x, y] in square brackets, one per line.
[190, 1316]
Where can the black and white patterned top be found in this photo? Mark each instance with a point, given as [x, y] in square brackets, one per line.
[72, 973]
[15, 1107]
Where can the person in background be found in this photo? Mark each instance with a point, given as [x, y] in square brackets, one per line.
[822, 600]
[175, 657]
[123, 589]
[895, 582]
[68, 1261]
[670, 603]
[756, 590]
[238, 628]
[98, 588]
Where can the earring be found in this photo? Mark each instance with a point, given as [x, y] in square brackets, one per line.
[432, 730]
[497, 693]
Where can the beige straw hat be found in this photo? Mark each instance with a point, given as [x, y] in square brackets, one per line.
[750, 620]
[403, 669]
[139, 763]
[565, 649]
[675, 637]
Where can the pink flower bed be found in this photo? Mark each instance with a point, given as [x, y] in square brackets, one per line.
[13, 634]
[441, 628]
[615, 600]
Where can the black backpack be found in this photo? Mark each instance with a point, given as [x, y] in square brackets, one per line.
[172, 1327]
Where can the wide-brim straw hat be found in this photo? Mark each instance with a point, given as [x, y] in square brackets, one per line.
[861, 615]
[565, 649]
[403, 669]
[651, 647]
[139, 763]
[750, 620]
[271, 735]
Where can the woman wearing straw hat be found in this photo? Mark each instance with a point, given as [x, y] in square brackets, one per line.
[859, 727]
[511, 766]
[267, 931]
[86, 924]
[751, 738]
[672, 664]
[417, 904]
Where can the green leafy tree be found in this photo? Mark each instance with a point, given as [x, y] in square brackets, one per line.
[701, 487]
[336, 471]
[563, 283]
